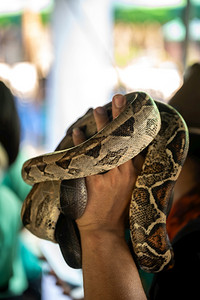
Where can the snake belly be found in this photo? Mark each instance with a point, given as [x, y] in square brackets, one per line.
[59, 195]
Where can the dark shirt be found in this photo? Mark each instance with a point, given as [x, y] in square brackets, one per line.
[183, 280]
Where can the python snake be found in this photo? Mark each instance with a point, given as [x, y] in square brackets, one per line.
[59, 195]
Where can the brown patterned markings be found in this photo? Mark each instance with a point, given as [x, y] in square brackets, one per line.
[146, 214]
[168, 127]
[42, 166]
[148, 260]
[112, 157]
[153, 168]
[140, 101]
[35, 161]
[42, 211]
[175, 146]
[157, 238]
[139, 235]
[164, 127]
[27, 169]
[94, 152]
[158, 171]
[74, 171]
[50, 224]
[26, 218]
[63, 163]
[151, 127]
[162, 194]
[125, 130]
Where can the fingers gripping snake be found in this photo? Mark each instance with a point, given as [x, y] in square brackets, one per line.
[59, 195]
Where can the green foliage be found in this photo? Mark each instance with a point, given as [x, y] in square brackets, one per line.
[15, 19]
[147, 15]
[46, 17]
[7, 20]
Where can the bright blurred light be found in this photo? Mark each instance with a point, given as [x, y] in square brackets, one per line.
[194, 29]
[151, 3]
[23, 79]
[37, 5]
[5, 72]
[10, 6]
[163, 80]
[174, 30]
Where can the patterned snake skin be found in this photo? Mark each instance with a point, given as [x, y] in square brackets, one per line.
[59, 195]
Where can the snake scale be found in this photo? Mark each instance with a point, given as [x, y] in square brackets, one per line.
[59, 193]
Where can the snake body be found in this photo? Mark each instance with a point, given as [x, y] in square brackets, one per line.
[59, 194]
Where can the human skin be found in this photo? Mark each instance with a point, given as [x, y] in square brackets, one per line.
[109, 271]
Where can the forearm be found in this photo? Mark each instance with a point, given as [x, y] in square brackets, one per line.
[109, 271]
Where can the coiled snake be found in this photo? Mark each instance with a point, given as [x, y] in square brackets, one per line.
[59, 194]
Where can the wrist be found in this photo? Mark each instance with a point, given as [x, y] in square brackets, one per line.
[97, 238]
[103, 227]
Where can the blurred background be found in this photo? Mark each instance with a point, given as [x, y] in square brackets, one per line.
[61, 57]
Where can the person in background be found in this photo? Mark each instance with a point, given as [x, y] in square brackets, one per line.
[15, 277]
[183, 223]
[109, 270]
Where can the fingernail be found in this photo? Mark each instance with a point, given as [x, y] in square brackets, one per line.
[100, 110]
[76, 131]
[119, 101]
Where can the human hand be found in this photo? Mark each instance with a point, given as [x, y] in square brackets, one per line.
[109, 194]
